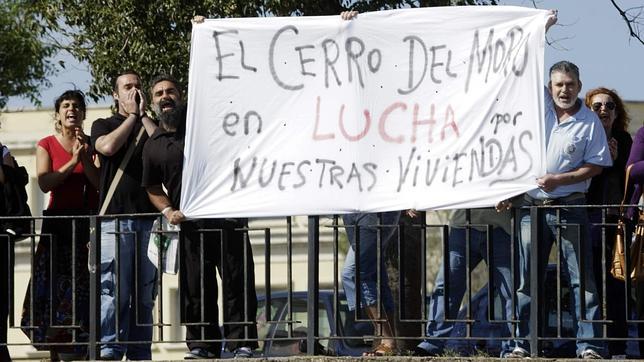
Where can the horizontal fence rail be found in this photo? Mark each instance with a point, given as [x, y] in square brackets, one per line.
[280, 284]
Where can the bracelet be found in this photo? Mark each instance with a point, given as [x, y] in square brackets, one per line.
[167, 208]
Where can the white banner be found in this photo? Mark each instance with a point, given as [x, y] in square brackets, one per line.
[417, 108]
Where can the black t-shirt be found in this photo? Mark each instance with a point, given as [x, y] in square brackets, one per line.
[129, 196]
[163, 163]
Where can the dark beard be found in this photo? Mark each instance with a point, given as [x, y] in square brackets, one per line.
[174, 120]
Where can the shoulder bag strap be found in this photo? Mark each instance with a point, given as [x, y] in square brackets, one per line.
[621, 207]
[119, 172]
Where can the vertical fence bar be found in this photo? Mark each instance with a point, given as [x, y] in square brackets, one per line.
[31, 287]
[514, 219]
[468, 276]
[11, 259]
[289, 275]
[74, 323]
[247, 319]
[491, 265]
[117, 276]
[336, 288]
[94, 287]
[313, 283]
[402, 291]
[423, 272]
[379, 266]
[223, 273]
[159, 303]
[559, 310]
[447, 280]
[603, 301]
[202, 283]
[535, 227]
[11, 282]
[267, 274]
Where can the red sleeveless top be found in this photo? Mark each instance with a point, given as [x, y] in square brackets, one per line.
[76, 192]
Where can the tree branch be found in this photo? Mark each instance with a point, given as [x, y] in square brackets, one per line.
[633, 23]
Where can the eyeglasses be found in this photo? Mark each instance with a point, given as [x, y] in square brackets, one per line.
[598, 105]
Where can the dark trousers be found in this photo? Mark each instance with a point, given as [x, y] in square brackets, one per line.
[237, 272]
[639, 297]
[4, 296]
[203, 244]
[638, 294]
[615, 289]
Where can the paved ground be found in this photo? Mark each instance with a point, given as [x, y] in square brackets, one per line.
[403, 358]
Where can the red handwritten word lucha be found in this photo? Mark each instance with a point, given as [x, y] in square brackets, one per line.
[422, 129]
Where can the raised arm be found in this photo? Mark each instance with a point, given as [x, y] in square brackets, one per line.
[111, 143]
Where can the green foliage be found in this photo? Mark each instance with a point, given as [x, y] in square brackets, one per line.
[153, 36]
[24, 58]
[150, 37]
[313, 7]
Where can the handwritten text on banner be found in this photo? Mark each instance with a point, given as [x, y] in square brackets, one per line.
[417, 108]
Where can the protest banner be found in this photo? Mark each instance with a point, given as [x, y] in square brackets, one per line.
[418, 108]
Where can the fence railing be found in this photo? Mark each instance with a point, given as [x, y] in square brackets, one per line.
[308, 314]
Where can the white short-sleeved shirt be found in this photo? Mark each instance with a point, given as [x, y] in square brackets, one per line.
[570, 144]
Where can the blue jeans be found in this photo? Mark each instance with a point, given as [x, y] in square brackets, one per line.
[136, 296]
[367, 263]
[438, 326]
[573, 236]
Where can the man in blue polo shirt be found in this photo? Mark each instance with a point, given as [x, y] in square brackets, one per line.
[576, 150]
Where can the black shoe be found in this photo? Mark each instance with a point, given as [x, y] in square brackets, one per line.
[422, 352]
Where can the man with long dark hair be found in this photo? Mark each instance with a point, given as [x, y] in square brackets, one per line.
[111, 138]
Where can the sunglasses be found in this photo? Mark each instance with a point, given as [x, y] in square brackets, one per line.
[598, 105]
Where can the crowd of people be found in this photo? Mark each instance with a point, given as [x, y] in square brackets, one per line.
[122, 168]
[132, 162]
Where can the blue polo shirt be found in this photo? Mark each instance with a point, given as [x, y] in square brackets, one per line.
[570, 144]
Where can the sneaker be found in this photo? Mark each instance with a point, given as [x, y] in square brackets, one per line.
[243, 352]
[590, 354]
[109, 356]
[517, 352]
[199, 353]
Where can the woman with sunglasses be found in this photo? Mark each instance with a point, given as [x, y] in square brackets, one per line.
[607, 188]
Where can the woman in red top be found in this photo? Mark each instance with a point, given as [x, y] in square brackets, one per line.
[67, 170]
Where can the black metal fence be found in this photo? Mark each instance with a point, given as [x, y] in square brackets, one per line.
[316, 321]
